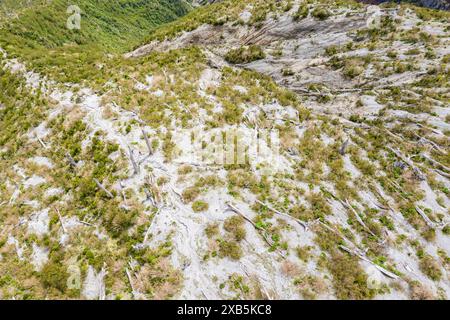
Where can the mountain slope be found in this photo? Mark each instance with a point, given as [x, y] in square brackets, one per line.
[100, 198]
[40, 35]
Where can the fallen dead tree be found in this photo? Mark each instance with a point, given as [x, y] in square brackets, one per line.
[435, 163]
[41, 142]
[61, 220]
[418, 173]
[444, 174]
[387, 273]
[432, 143]
[347, 205]
[133, 290]
[109, 194]
[428, 221]
[302, 223]
[133, 161]
[147, 142]
[236, 210]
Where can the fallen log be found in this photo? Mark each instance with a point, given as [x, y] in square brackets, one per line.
[86, 223]
[133, 290]
[234, 209]
[61, 220]
[406, 160]
[41, 142]
[72, 162]
[428, 221]
[434, 162]
[147, 142]
[358, 218]
[133, 161]
[432, 143]
[444, 174]
[109, 194]
[302, 223]
[387, 273]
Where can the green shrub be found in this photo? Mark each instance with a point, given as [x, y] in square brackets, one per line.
[235, 226]
[230, 249]
[245, 54]
[303, 253]
[54, 275]
[199, 206]
[349, 280]
[321, 13]
[302, 12]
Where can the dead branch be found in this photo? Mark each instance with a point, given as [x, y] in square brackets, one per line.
[133, 290]
[123, 193]
[109, 194]
[133, 161]
[86, 223]
[446, 175]
[416, 170]
[41, 142]
[434, 162]
[72, 162]
[61, 220]
[431, 129]
[147, 142]
[302, 223]
[432, 143]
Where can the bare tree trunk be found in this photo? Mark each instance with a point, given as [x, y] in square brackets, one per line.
[428, 221]
[358, 218]
[133, 162]
[147, 142]
[234, 209]
[343, 148]
[382, 270]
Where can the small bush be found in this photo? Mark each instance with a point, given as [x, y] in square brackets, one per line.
[54, 275]
[429, 266]
[349, 280]
[189, 194]
[235, 226]
[212, 230]
[321, 13]
[230, 249]
[302, 12]
[199, 206]
[245, 54]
